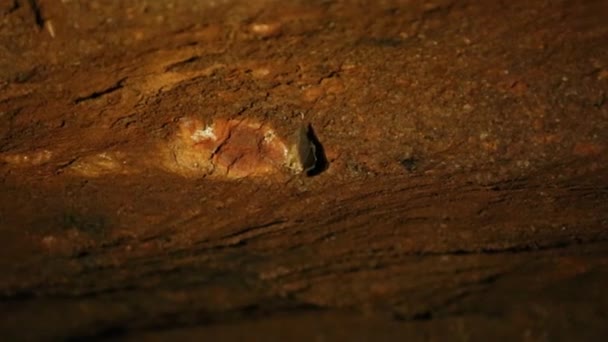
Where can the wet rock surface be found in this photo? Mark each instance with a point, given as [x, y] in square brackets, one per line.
[155, 158]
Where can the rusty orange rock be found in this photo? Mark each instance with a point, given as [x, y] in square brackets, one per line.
[231, 148]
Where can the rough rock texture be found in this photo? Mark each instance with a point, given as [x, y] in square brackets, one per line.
[465, 193]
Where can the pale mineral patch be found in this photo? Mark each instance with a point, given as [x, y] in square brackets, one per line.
[204, 134]
[100, 164]
[260, 72]
[266, 30]
[27, 159]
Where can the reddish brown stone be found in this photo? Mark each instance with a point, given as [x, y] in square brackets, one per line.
[231, 148]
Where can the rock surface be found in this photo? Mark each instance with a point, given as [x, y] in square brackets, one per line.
[147, 184]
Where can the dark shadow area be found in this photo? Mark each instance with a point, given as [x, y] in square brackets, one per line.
[321, 163]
